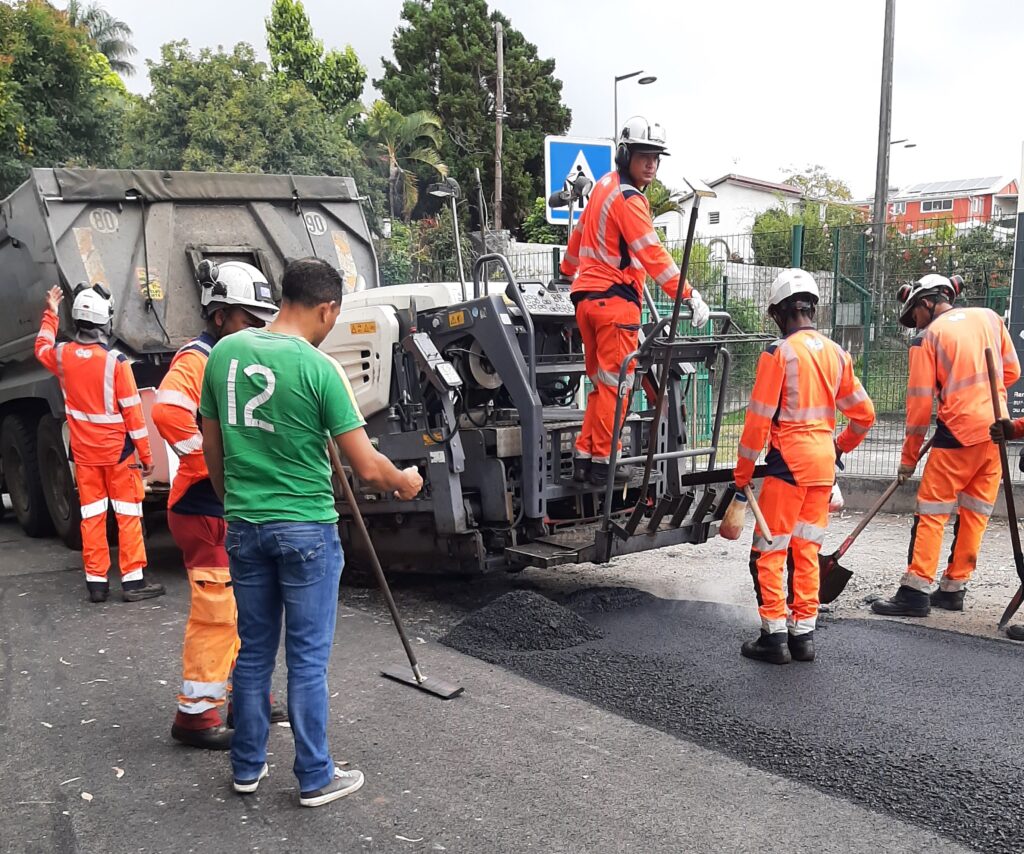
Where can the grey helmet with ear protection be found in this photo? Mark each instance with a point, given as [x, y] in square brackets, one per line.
[638, 134]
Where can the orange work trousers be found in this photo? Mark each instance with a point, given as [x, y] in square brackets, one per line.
[211, 633]
[797, 518]
[119, 487]
[968, 477]
[609, 327]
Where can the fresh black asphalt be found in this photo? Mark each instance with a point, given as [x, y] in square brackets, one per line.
[916, 723]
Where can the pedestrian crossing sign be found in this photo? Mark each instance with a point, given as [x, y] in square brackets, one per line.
[566, 157]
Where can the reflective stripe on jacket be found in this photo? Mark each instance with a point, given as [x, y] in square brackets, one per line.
[615, 243]
[101, 400]
[947, 361]
[175, 417]
[801, 381]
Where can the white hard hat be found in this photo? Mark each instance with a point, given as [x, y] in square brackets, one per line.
[92, 305]
[791, 282]
[640, 134]
[236, 283]
[928, 285]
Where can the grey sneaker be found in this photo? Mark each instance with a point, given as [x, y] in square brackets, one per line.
[247, 787]
[344, 783]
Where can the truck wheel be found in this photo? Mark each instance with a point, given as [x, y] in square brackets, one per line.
[58, 485]
[21, 472]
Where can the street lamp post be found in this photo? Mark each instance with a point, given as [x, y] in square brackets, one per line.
[643, 81]
[449, 189]
[882, 161]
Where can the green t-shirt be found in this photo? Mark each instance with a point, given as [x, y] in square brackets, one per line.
[277, 399]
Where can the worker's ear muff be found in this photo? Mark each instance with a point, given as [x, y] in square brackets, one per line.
[958, 284]
[209, 277]
[81, 286]
[904, 293]
[622, 157]
[102, 291]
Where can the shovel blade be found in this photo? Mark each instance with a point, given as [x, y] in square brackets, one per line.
[832, 578]
[1011, 609]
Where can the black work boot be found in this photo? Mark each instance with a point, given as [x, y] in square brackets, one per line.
[136, 591]
[801, 647]
[769, 646]
[211, 738]
[580, 470]
[599, 474]
[98, 590]
[949, 600]
[907, 602]
[1015, 633]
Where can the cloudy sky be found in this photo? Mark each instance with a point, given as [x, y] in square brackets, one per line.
[743, 86]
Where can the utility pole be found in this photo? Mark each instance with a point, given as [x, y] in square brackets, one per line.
[499, 110]
[882, 162]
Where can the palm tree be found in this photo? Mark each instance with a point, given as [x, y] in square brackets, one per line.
[662, 199]
[110, 35]
[404, 146]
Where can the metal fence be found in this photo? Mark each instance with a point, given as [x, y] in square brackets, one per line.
[858, 307]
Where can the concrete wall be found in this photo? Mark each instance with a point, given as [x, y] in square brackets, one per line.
[861, 492]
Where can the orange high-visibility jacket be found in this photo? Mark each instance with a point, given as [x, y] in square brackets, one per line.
[175, 417]
[801, 381]
[101, 400]
[947, 361]
[615, 243]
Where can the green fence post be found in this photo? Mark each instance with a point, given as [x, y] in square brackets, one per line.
[797, 247]
[835, 279]
[556, 261]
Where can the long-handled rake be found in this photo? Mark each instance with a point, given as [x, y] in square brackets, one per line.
[415, 678]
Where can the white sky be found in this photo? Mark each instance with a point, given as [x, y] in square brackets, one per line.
[743, 86]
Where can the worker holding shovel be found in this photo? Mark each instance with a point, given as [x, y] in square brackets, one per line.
[947, 362]
[801, 380]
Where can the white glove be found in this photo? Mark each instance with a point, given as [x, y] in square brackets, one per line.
[701, 312]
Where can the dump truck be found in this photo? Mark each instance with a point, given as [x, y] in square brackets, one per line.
[142, 234]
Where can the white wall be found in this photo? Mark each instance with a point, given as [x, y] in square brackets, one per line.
[737, 206]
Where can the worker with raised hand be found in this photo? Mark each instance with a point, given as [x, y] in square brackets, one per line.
[108, 429]
[270, 403]
[612, 250]
[947, 362]
[801, 380]
[234, 296]
[1001, 431]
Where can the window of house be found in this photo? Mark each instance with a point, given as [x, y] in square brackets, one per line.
[977, 205]
[713, 217]
[899, 208]
[933, 205]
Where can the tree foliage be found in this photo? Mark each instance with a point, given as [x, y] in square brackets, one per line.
[772, 233]
[60, 101]
[445, 62]
[111, 36]
[335, 77]
[405, 147]
[817, 183]
[662, 199]
[225, 111]
[537, 229]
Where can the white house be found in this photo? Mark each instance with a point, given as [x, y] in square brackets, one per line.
[732, 212]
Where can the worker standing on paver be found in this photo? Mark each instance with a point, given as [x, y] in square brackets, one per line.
[613, 249]
[801, 380]
[947, 362]
[271, 401]
[235, 296]
[107, 426]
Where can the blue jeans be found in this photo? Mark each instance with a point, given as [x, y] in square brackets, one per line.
[294, 567]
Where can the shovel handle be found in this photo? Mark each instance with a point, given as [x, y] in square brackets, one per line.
[1011, 510]
[758, 515]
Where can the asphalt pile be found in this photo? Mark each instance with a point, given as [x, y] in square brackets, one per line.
[520, 621]
[913, 722]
